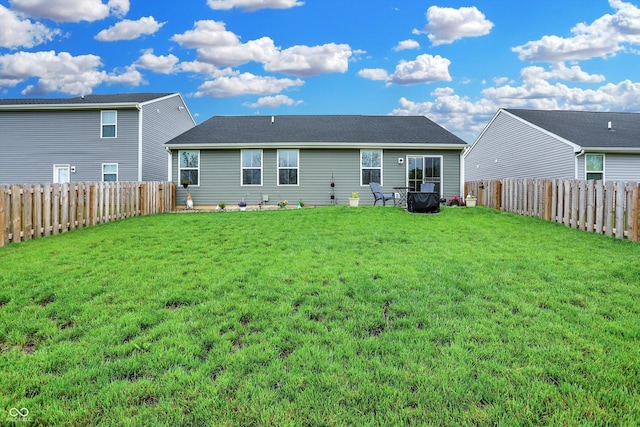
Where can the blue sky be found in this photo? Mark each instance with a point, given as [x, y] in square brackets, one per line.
[455, 62]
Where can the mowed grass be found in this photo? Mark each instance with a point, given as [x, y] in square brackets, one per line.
[328, 316]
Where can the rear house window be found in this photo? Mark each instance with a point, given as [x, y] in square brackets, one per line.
[251, 167]
[595, 166]
[108, 122]
[189, 167]
[109, 172]
[370, 167]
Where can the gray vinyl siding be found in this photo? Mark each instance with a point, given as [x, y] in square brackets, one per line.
[162, 120]
[510, 148]
[220, 179]
[32, 142]
[617, 167]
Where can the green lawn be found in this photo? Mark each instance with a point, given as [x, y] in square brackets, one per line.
[328, 316]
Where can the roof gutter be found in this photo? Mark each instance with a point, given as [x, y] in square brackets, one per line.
[87, 106]
[622, 150]
[341, 145]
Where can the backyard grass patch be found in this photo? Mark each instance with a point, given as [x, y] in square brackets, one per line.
[328, 316]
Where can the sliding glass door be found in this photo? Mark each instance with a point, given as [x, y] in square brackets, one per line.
[424, 169]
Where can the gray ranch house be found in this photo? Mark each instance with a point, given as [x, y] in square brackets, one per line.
[556, 144]
[298, 157]
[90, 138]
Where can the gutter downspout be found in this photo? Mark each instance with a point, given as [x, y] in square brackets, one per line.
[139, 107]
[170, 164]
[462, 176]
[575, 169]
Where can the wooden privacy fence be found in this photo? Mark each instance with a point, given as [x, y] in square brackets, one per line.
[605, 207]
[30, 211]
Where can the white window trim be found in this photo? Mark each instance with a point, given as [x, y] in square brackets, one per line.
[102, 124]
[198, 168]
[60, 166]
[381, 166]
[297, 168]
[111, 173]
[604, 167]
[242, 168]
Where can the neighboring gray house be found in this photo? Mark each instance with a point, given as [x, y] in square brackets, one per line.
[90, 138]
[227, 159]
[556, 144]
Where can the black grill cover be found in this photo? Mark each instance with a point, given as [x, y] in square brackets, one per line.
[423, 202]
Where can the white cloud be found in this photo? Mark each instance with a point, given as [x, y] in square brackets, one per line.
[374, 74]
[17, 32]
[304, 61]
[252, 5]
[71, 10]
[424, 69]
[130, 77]
[407, 44]
[205, 68]
[59, 72]
[245, 84]
[130, 30]
[605, 37]
[119, 7]
[216, 45]
[260, 50]
[560, 71]
[273, 102]
[446, 25]
[207, 33]
[159, 64]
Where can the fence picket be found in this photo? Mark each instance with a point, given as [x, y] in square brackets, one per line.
[4, 217]
[608, 209]
[590, 206]
[619, 209]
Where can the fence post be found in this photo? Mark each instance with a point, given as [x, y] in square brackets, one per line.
[619, 209]
[46, 209]
[16, 212]
[4, 221]
[173, 196]
[634, 233]
[143, 199]
[92, 205]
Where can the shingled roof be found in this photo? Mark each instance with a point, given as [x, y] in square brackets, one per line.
[316, 129]
[122, 98]
[587, 129]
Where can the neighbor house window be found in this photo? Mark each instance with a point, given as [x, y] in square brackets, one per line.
[61, 173]
[251, 167]
[288, 167]
[370, 166]
[189, 167]
[109, 172]
[108, 122]
[594, 166]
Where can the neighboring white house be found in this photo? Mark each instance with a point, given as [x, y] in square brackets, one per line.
[556, 144]
[117, 137]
